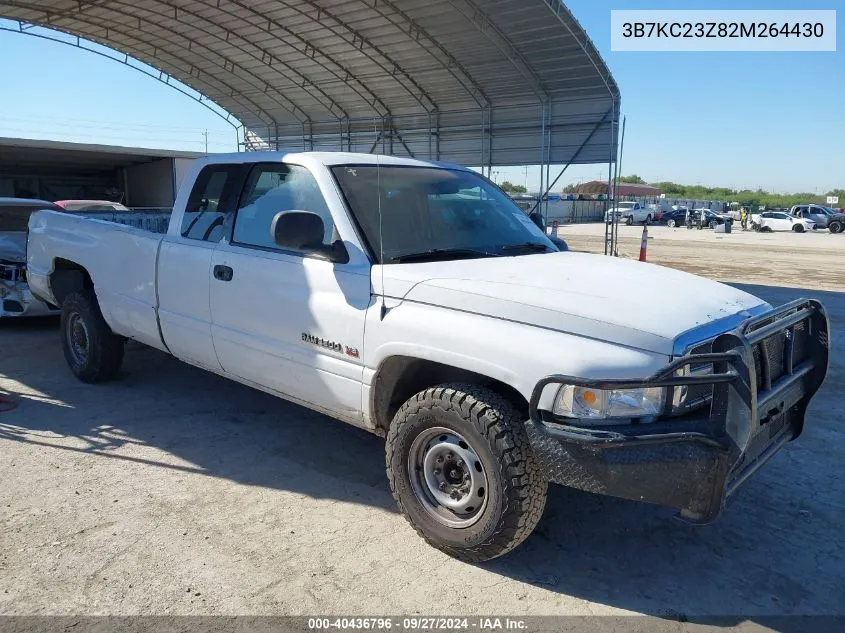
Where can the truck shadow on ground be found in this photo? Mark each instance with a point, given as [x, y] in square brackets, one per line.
[775, 550]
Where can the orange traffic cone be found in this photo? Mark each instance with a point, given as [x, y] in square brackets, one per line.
[644, 243]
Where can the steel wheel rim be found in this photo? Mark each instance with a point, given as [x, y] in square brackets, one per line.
[448, 477]
[77, 338]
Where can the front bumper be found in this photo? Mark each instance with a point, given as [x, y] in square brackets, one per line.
[764, 374]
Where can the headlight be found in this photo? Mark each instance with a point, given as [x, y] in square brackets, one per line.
[4, 291]
[586, 403]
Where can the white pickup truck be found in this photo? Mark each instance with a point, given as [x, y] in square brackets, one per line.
[415, 300]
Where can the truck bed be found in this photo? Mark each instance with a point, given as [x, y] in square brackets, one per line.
[152, 221]
[120, 254]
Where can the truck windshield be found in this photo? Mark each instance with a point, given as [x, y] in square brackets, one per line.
[426, 213]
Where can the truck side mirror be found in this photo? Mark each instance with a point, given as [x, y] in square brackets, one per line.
[303, 231]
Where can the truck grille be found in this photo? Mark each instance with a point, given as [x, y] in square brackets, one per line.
[770, 355]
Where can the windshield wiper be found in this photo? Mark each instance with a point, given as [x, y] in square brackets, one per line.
[440, 253]
[536, 247]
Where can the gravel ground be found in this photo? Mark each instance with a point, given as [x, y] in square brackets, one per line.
[810, 260]
[173, 491]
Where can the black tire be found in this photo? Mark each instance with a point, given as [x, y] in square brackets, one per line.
[671, 224]
[93, 352]
[630, 220]
[835, 227]
[494, 433]
[648, 219]
[798, 228]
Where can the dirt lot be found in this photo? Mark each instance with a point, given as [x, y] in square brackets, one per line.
[811, 260]
[173, 491]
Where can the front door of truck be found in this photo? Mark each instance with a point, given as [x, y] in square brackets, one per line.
[185, 264]
[288, 321]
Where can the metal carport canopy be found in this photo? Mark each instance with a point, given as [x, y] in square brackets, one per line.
[478, 82]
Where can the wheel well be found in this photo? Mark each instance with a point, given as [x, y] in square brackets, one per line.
[400, 377]
[67, 277]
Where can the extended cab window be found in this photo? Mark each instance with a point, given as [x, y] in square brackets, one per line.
[272, 188]
[213, 197]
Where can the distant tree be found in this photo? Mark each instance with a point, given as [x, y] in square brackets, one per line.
[512, 188]
[632, 180]
[570, 189]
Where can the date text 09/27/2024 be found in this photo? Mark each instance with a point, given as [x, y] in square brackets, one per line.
[418, 623]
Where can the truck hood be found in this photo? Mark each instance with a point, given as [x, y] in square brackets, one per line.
[622, 301]
[13, 246]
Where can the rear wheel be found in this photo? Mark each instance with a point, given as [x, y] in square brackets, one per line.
[93, 352]
[712, 224]
[671, 224]
[630, 220]
[648, 219]
[463, 472]
[835, 226]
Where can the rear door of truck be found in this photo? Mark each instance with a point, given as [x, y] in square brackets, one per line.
[184, 271]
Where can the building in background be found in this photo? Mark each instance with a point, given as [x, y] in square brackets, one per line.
[52, 170]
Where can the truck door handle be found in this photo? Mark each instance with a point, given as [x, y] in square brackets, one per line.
[223, 273]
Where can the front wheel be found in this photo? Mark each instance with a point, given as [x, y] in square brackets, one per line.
[648, 219]
[835, 227]
[798, 228]
[93, 352]
[463, 473]
[630, 220]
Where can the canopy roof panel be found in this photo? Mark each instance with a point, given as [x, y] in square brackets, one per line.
[480, 82]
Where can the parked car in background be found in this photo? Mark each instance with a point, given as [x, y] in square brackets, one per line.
[16, 300]
[656, 212]
[777, 221]
[815, 212]
[674, 218]
[836, 223]
[91, 205]
[711, 219]
[629, 213]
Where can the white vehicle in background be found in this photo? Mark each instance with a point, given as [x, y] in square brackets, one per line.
[777, 221]
[629, 213]
[16, 300]
[414, 299]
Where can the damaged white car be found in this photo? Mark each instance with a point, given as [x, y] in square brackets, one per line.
[15, 298]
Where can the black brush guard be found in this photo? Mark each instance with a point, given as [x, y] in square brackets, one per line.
[764, 374]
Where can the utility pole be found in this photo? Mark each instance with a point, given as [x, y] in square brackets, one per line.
[205, 134]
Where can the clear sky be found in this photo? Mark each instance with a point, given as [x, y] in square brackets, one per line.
[771, 120]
